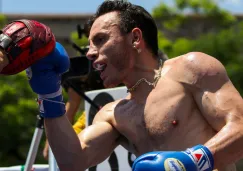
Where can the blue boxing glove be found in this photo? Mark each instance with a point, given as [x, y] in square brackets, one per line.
[45, 80]
[197, 158]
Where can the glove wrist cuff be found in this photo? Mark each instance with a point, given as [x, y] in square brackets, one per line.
[51, 108]
[202, 157]
[51, 95]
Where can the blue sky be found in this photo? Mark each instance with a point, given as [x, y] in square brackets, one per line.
[86, 6]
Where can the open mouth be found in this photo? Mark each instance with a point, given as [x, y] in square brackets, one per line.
[100, 67]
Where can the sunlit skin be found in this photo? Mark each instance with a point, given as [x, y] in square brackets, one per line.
[3, 59]
[194, 102]
[105, 45]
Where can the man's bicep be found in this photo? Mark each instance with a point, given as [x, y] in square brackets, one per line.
[98, 141]
[221, 105]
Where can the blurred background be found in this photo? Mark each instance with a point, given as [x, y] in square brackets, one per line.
[214, 27]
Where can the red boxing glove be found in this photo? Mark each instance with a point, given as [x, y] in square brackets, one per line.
[25, 42]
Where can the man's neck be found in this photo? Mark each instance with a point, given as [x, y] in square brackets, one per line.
[142, 79]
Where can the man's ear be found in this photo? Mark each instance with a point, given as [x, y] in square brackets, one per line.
[137, 36]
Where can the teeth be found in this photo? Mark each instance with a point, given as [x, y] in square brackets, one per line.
[100, 67]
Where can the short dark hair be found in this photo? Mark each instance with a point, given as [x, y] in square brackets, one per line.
[131, 16]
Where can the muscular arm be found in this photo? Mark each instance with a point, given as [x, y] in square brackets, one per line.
[72, 106]
[221, 105]
[91, 146]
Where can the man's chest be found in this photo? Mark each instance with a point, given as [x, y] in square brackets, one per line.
[152, 122]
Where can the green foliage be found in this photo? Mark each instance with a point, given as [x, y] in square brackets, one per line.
[2, 20]
[18, 112]
[225, 46]
[81, 42]
[172, 18]
[164, 43]
[225, 43]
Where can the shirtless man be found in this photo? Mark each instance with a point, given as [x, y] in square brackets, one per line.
[187, 101]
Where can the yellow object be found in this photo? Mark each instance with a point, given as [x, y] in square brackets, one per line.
[80, 123]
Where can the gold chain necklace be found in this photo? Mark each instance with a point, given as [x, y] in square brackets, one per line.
[156, 79]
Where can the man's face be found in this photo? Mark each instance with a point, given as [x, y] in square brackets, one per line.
[110, 49]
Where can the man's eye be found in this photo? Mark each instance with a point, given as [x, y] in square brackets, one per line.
[100, 39]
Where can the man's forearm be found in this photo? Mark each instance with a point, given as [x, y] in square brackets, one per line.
[227, 145]
[65, 144]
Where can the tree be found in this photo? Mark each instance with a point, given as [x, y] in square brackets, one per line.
[172, 19]
[18, 111]
[2, 20]
[219, 34]
[83, 41]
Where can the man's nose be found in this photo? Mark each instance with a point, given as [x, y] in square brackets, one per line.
[92, 53]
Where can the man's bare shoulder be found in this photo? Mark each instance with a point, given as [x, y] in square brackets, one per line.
[106, 113]
[194, 67]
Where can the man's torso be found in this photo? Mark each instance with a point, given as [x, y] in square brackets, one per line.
[168, 120]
